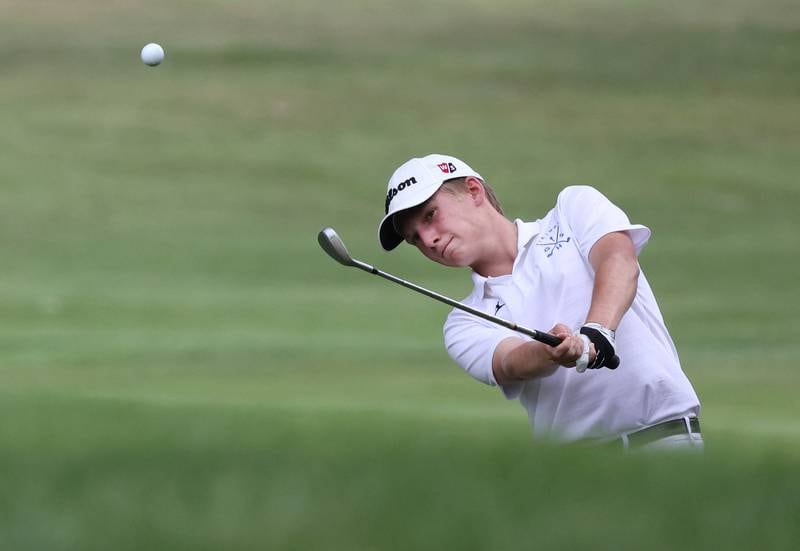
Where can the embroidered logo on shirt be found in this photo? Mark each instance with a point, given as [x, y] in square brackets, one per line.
[552, 240]
[499, 305]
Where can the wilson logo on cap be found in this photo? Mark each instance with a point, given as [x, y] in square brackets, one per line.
[447, 168]
[400, 187]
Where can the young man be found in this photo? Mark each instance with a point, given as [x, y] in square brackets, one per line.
[575, 270]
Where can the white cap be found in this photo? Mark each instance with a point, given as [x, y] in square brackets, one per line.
[413, 183]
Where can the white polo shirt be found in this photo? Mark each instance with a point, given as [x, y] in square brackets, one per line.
[551, 282]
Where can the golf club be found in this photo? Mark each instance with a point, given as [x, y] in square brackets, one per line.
[333, 245]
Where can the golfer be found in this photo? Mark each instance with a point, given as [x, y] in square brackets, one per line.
[575, 270]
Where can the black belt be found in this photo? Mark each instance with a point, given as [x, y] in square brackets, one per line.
[662, 430]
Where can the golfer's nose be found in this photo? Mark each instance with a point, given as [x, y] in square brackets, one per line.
[429, 237]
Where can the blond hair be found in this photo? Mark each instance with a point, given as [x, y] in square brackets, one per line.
[459, 186]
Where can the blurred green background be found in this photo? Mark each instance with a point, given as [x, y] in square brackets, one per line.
[181, 367]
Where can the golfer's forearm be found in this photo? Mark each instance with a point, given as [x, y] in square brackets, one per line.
[527, 360]
[614, 289]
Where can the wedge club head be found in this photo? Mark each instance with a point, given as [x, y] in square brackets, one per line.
[332, 244]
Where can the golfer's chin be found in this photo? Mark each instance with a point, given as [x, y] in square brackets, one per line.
[453, 259]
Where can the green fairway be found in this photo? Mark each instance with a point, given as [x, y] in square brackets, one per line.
[181, 366]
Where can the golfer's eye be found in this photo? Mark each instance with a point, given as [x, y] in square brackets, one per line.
[429, 215]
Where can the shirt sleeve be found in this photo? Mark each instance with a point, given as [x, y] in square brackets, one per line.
[591, 215]
[471, 341]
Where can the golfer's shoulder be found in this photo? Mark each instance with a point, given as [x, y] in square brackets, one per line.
[578, 200]
[578, 194]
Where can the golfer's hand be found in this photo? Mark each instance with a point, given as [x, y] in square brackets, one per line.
[603, 340]
[571, 348]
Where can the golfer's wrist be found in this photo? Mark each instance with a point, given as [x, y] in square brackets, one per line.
[601, 326]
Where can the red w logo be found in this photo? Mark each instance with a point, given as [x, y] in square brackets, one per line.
[447, 168]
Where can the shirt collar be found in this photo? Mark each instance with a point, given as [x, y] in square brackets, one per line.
[526, 231]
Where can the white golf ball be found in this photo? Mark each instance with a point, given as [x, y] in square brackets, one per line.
[152, 54]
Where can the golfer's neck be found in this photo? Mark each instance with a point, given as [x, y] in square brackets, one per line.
[499, 248]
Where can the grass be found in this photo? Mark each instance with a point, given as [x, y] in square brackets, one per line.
[182, 367]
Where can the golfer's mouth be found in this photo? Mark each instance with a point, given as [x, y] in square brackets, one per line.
[446, 246]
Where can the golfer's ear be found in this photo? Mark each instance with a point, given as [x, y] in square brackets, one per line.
[475, 189]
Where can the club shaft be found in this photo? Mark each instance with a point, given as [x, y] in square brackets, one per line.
[540, 336]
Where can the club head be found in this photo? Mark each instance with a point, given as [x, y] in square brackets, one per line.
[332, 244]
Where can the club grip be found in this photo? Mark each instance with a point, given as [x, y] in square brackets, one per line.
[552, 340]
[547, 338]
